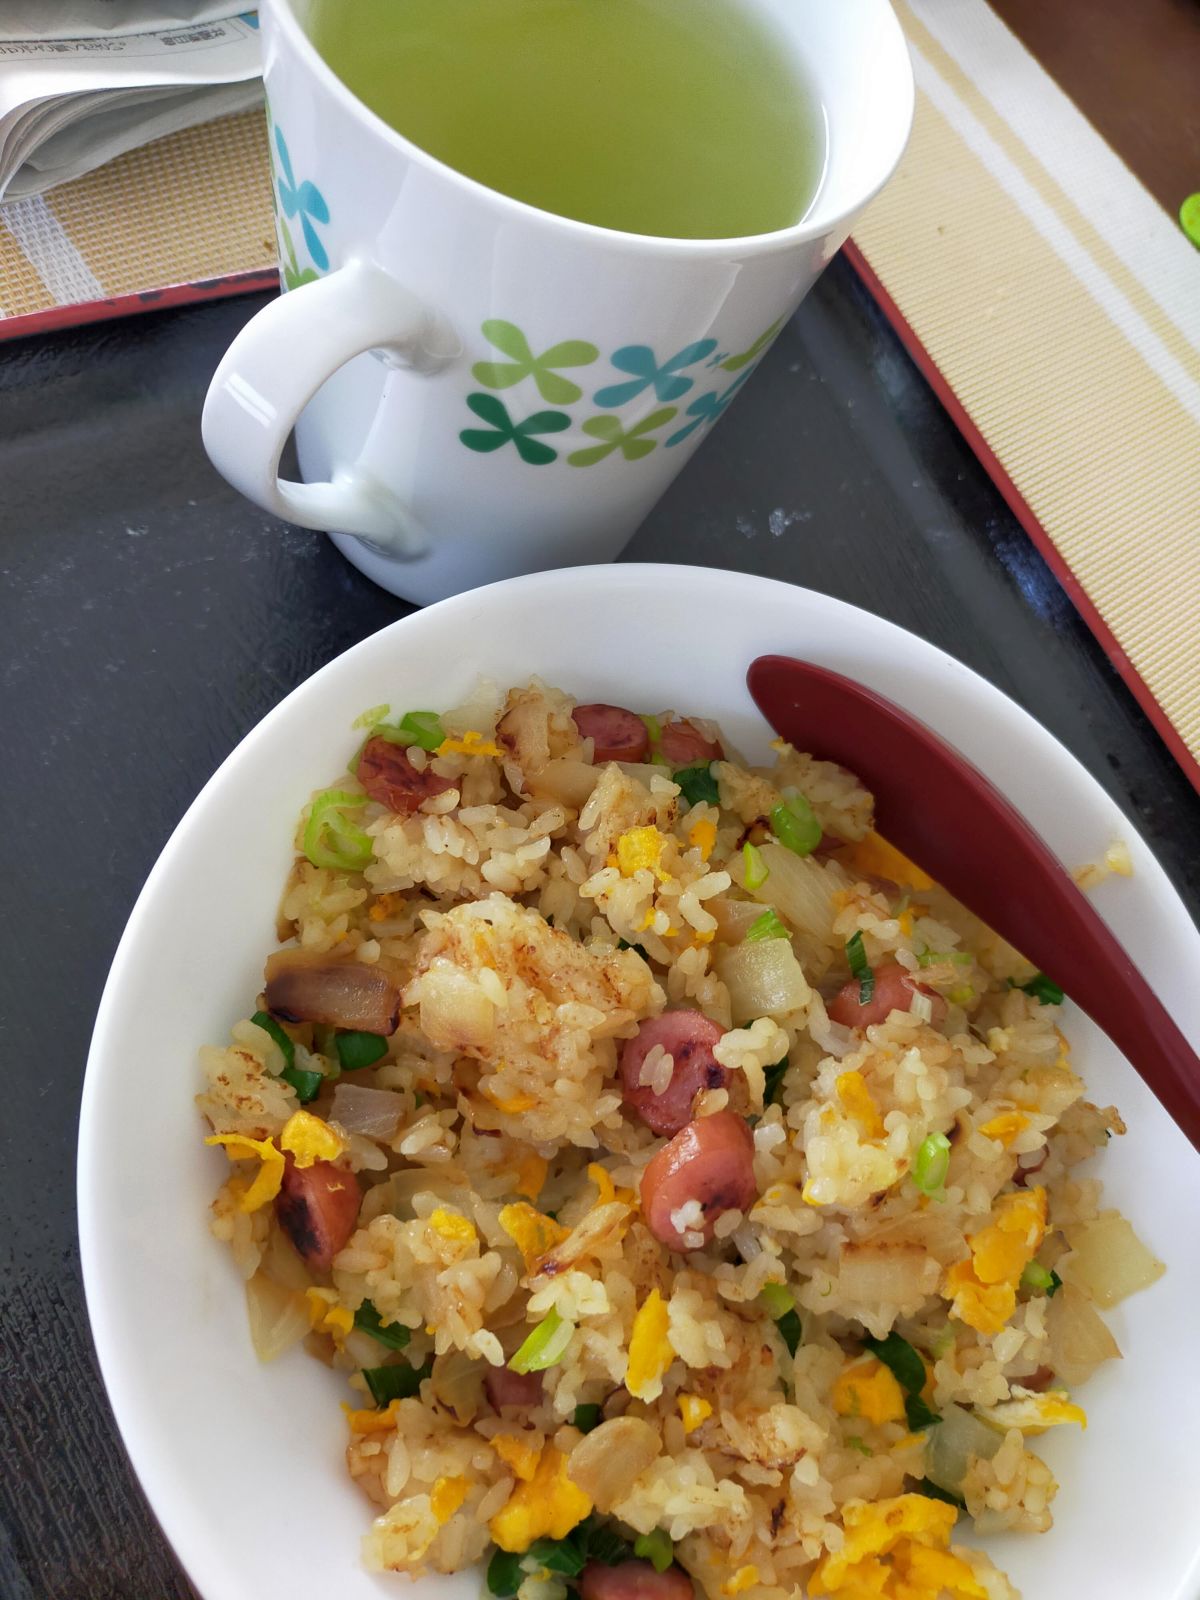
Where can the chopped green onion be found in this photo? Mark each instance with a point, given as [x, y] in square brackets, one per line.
[587, 1417]
[395, 1335]
[624, 944]
[933, 958]
[422, 728]
[860, 968]
[901, 1360]
[505, 1574]
[545, 1345]
[555, 1555]
[358, 1050]
[1044, 989]
[773, 1081]
[265, 1021]
[656, 1548]
[398, 1382]
[794, 823]
[756, 869]
[307, 1084]
[778, 1299]
[1055, 1285]
[962, 996]
[372, 716]
[791, 1331]
[330, 838]
[934, 1491]
[918, 1414]
[697, 783]
[863, 1449]
[600, 1542]
[768, 926]
[932, 1163]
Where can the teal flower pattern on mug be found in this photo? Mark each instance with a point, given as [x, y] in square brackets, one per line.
[706, 408]
[303, 200]
[631, 442]
[522, 363]
[502, 430]
[664, 380]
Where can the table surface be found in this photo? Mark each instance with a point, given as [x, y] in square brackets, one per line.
[150, 617]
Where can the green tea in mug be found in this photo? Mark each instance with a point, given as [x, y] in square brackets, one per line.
[682, 118]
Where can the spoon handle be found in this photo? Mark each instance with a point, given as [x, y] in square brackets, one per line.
[940, 810]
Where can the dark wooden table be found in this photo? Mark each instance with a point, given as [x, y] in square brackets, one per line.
[150, 617]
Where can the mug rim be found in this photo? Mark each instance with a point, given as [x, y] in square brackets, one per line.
[805, 231]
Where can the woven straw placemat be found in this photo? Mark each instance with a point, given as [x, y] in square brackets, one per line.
[187, 215]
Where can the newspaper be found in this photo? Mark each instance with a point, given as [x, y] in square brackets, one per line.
[82, 81]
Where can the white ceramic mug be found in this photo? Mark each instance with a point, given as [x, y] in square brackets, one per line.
[480, 388]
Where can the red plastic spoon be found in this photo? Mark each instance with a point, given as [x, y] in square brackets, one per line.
[1049, 920]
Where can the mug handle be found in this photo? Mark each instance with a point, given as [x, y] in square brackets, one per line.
[276, 365]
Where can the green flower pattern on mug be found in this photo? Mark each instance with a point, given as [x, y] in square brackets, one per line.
[616, 438]
[522, 363]
[736, 363]
[293, 276]
[502, 430]
[631, 442]
[665, 380]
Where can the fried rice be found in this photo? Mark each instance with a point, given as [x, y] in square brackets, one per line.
[687, 1189]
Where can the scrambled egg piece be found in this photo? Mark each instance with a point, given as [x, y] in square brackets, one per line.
[267, 1183]
[896, 1550]
[472, 743]
[608, 1191]
[693, 1410]
[327, 1316]
[983, 1290]
[514, 1105]
[650, 1349]
[874, 857]
[859, 1103]
[457, 1230]
[448, 1494]
[517, 1453]
[533, 1233]
[1031, 1412]
[641, 849]
[702, 836]
[371, 1421]
[1005, 1127]
[743, 1578]
[869, 1390]
[547, 1507]
[309, 1139]
[531, 1175]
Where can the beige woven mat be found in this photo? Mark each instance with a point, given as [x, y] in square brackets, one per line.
[193, 207]
[1060, 306]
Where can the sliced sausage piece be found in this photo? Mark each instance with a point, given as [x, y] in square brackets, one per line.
[688, 1038]
[617, 734]
[893, 992]
[302, 986]
[712, 1161]
[505, 1388]
[388, 776]
[634, 1580]
[317, 1208]
[683, 745]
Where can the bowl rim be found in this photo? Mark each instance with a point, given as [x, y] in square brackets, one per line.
[560, 587]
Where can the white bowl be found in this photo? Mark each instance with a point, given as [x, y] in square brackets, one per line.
[243, 1464]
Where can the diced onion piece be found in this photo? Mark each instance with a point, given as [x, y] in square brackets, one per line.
[545, 1346]
[457, 1381]
[565, 779]
[1108, 1260]
[1078, 1340]
[611, 1457]
[279, 1318]
[957, 1438]
[801, 890]
[882, 1274]
[375, 1113]
[764, 980]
